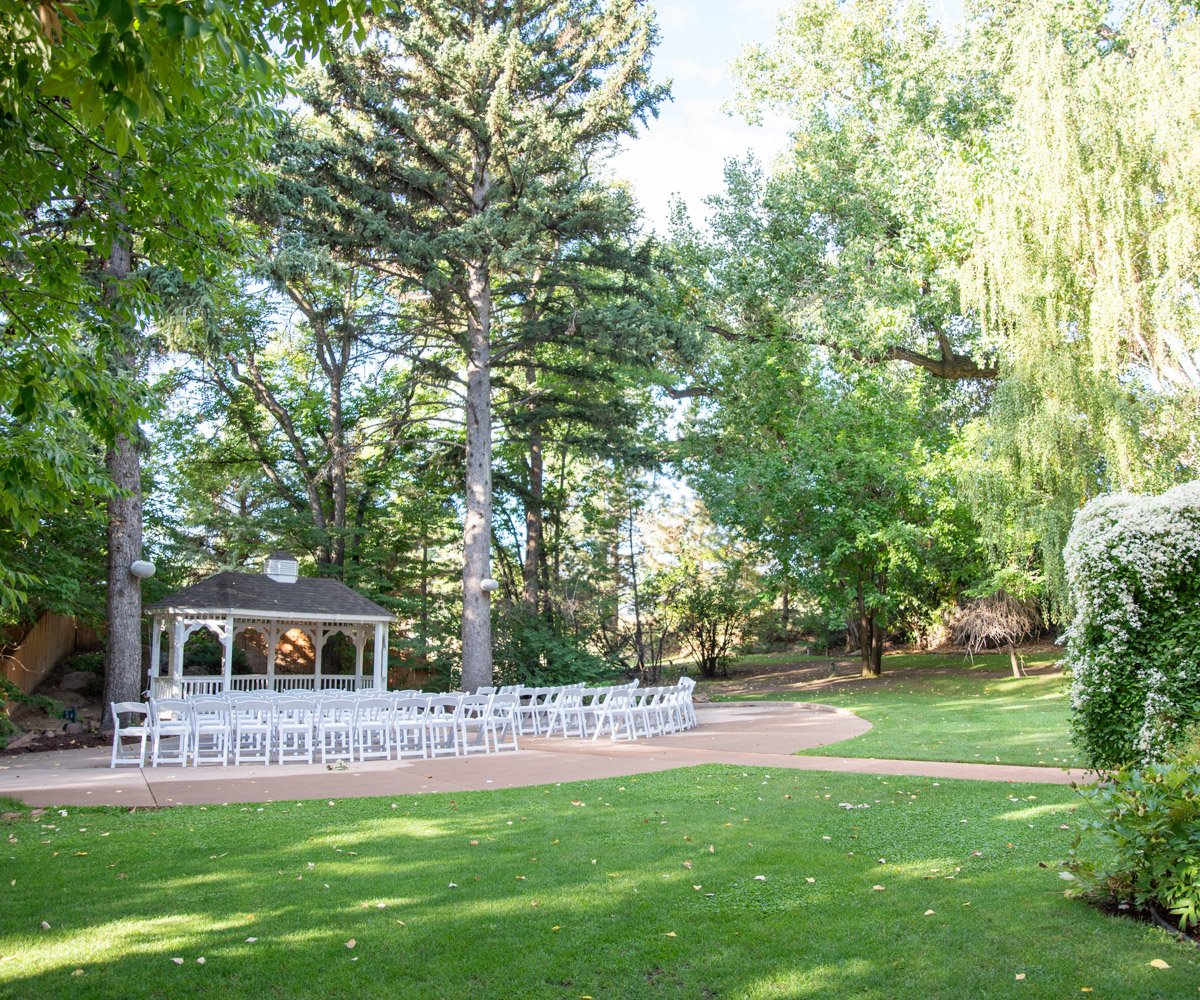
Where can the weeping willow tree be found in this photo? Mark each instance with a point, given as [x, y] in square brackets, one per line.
[1085, 263]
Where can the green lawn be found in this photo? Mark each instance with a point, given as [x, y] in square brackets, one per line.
[626, 888]
[964, 715]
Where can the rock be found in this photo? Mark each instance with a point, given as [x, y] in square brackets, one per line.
[75, 728]
[17, 742]
[77, 680]
[51, 733]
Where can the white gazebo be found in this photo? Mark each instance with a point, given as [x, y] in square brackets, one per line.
[271, 603]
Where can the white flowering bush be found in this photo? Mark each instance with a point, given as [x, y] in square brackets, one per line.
[1133, 568]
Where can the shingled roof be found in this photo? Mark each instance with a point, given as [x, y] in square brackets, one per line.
[255, 593]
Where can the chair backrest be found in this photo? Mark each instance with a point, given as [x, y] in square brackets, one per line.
[485, 689]
[137, 708]
[295, 711]
[171, 708]
[411, 707]
[504, 706]
[254, 710]
[445, 705]
[375, 709]
[339, 710]
[475, 706]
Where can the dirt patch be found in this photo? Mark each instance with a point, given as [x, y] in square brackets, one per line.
[59, 741]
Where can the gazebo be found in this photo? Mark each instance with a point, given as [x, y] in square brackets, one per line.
[271, 603]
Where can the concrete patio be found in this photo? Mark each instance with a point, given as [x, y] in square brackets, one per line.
[744, 733]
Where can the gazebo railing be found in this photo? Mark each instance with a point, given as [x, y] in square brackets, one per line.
[187, 687]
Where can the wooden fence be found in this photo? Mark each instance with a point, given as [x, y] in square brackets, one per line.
[52, 638]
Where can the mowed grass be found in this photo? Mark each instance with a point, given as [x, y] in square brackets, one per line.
[702, 882]
[923, 709]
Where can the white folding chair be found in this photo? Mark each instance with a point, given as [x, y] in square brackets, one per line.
[295, 723]
[212, 729]
[534, 712]
[373, 727]
[408, 725]
[502, 722]
[335, 728]
[473, 725]
[170, 719]
[441, 726]
[122, 753]
[686, 687]
[567, 712]
[616, 716]
[253, 728]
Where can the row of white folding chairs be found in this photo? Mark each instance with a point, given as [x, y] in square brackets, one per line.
[624, 711]
[249, 730]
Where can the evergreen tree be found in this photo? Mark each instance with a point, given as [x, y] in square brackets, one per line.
[463, 131]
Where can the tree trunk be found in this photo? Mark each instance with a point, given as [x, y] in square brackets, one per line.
[864, 631]
[876, 646]
[123, 659]
[477, 530]
[533, 505]
[639, 642]
[1014, 659]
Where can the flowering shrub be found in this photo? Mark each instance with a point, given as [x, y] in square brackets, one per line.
[1133, 568]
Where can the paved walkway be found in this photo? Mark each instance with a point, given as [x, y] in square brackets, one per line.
[749, 734]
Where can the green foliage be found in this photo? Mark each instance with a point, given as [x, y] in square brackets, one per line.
[530, 650]
[1134, 571]
[709, 607]
[839, 476]
[10, 692]
[1144, 824]
[93, 663]
[204, 654]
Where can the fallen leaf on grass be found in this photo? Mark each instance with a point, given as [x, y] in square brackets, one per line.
[351, 943]
[201, 960]
[177, 961]
[877, 888]
[251, 940]
[810, 880]
[77, 972]
[670, 934]
[1158, 963]
[1020, 975]
[760, 878]
[929, 913]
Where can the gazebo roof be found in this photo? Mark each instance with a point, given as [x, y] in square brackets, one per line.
[256, 595]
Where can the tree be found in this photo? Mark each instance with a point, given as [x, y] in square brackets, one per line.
[463, 129]
[124, 122]
[839, 477]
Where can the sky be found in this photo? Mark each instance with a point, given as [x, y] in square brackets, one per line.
[684, 151]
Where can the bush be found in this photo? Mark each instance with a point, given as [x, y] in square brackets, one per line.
[1133, 647]
[10, 692]
[531, 651]
[93, 663]
[1147, 823]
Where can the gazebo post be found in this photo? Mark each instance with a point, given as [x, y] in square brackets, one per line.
[227, 671]
[273, 635]
[155, 651]
[380, 663]
[318, 642]
[178, 638]
[360, 640]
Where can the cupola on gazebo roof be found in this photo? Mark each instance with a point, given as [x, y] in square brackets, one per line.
[272, 603]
